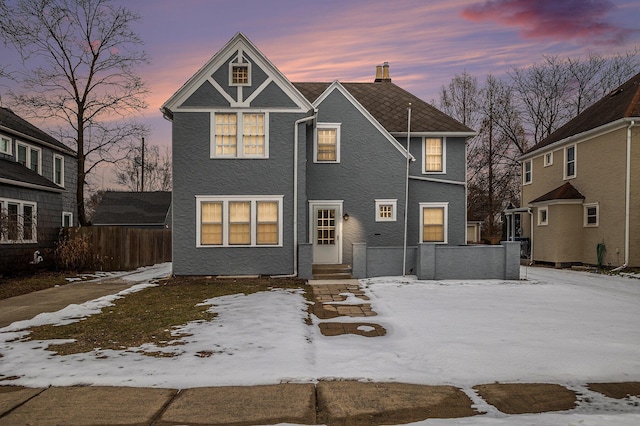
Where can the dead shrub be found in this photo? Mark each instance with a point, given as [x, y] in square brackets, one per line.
[73, 253]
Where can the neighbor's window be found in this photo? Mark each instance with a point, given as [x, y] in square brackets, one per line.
[29, 156]
[67, 219]
[58, 169]
[386, 210]
[5, 144]
[229, 143]
[433, 155]
[239, 221]
[548, 159]
[543, 216]
[591, 212]
[327, 143]
[240, 74]
[434, 222]
[570, 162]
[17, 221]
[527, 173]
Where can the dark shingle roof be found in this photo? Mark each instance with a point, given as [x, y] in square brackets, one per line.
[14, 171]
[12, 121]
[133, 208]
[388, 104]
[564, 192]
[624, 102]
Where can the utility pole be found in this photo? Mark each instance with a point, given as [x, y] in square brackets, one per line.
[142, 174]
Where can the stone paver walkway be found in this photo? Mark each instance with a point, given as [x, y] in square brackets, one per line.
[329, 302]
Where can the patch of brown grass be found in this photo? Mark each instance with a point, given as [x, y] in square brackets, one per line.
[16, 286]
[150, 315]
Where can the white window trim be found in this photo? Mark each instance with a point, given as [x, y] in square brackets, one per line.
[69, 215]
[548, 159]
[10, 148]
[585, 209]
[225, 200]
[575, 162]
[4, 210]
[524, 172]
[337, 127]
[29, 148]
[394, 209]
[237, 64]
[56, 156]
[446, 222]
[544, 222]
[424, 156]
[239, 135]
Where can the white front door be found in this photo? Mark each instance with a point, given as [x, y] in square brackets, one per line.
[326, 230]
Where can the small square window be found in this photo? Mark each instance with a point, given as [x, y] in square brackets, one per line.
[386, 210]
[240, 74]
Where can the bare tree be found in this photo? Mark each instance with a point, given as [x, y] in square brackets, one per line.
[79, 58]
[153, 165]
[460, 99]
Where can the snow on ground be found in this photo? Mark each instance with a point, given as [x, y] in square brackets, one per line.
[555, 326]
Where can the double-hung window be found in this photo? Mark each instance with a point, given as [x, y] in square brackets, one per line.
[248, 221]
[17, 221]
[434, 155]
[527, 172]
[327, 143]
[58, 169]
[434, 222]
[5, 144]
[29, 156]
[591, 213]
[548, 159]
[241, 135]
[570, 162]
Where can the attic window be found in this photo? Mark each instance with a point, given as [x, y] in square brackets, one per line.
[240, 74]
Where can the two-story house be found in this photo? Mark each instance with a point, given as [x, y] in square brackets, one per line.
[581, 187]
[272, 177]
[37, 191]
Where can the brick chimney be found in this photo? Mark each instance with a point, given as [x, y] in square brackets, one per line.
[382, 73]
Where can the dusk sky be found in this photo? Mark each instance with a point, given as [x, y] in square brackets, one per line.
[426, 42]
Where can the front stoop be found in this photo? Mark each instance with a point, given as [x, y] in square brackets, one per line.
[331, 272]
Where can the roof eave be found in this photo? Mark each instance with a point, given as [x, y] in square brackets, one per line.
[605, 128]
[30, 185]
[21, 135]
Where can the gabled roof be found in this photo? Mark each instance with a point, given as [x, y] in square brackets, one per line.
[624, 102]
[11, 122]
[133, 208]
[564, 192]
[239, 41]
[388, 104]
[14, 173]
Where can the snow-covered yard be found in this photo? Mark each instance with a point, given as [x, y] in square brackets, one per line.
[553, 326]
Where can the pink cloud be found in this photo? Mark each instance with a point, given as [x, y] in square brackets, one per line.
[552, 19]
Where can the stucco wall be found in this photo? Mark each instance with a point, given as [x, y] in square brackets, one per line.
[195, 173]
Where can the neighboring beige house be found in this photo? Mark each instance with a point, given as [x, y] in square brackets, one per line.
[581, 187]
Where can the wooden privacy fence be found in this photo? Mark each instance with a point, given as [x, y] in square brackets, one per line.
[117, 248]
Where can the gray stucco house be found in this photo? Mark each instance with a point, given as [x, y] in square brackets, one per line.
[37, 191]
[272, 177]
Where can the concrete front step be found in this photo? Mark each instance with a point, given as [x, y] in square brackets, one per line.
[331, 272]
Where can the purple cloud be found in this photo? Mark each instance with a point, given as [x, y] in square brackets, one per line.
[553, 19]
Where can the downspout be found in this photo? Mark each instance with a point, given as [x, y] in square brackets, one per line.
[531, 239]
[295, 193]
[627, 200]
